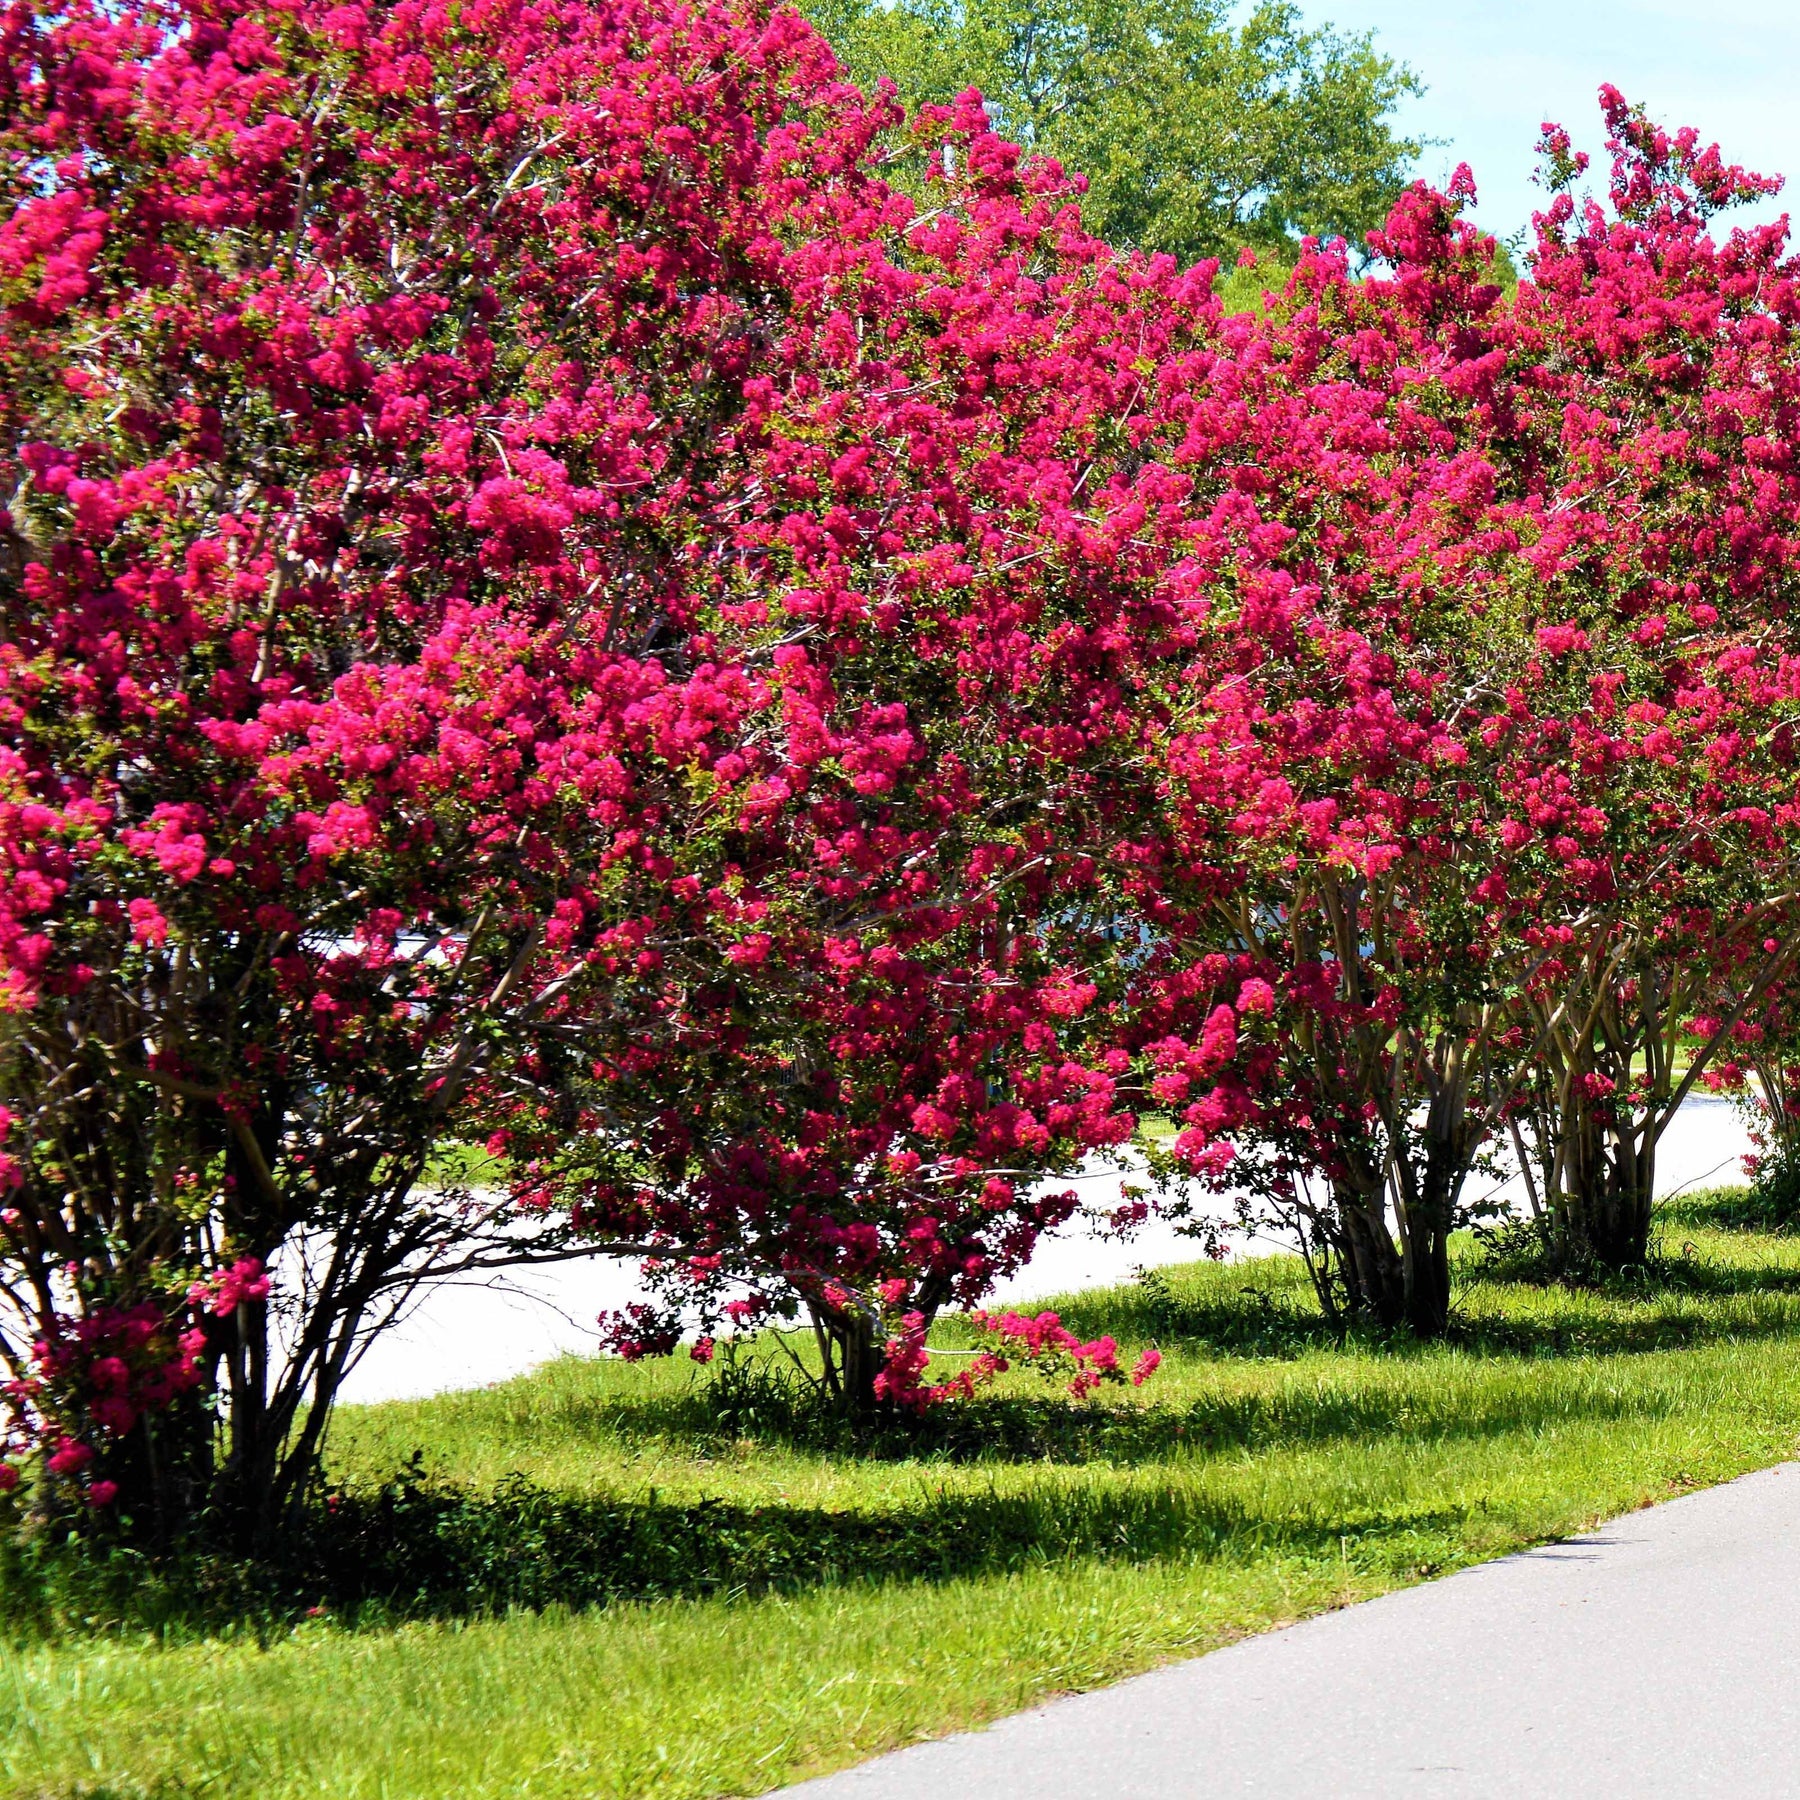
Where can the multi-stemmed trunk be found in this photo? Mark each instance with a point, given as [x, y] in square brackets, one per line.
[1388, 1282]
[850, 1358]
[1400, 1274]
[1431, 1185]
[1608, 1183]
[1371, 1266]
[1609, 1082]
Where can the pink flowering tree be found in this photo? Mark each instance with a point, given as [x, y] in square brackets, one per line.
[1321, 1013]
[544, 600]
[1483, 797]
[901, 906]
[1647, 743]
[409, 645]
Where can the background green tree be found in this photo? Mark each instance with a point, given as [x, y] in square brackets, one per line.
[1197, 136]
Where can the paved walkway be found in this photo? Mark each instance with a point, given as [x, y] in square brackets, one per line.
[1659, 1656]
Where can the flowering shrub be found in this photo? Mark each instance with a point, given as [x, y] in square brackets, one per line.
[570, 612]
[1041, 1342]
[891, 954]
[1486, 783]
[543, 600]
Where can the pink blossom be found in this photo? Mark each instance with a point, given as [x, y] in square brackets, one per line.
[68, 1458]
[1256, 998]
[148, 925]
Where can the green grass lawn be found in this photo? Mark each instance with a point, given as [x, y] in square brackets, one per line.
[1033, 1547]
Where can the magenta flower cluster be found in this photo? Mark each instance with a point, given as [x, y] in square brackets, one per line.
[571, 583]
[1039, 1342]
[92, 1379]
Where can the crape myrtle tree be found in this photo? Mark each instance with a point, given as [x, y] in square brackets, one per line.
[900, 903]
[331, 705]
[499, 501]
[1506, 735]
[1320, 1011]
[1669, 798]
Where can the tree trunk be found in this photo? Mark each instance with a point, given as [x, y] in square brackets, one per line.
[1428, 1287]
[1611, 1176]
[851, 1356]
[1451, 1140]
[1614, 1216]
[1373, 1269]
[1428, 1218]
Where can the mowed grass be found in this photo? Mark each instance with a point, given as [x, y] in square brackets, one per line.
[1266, 1473]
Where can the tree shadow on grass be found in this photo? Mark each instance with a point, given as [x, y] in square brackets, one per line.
[1679, 1300]
[760, 1398]
[416, 1549]
[761, 1402]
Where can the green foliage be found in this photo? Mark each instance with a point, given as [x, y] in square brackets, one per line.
[459, 1165]
[1196, 136]
[1775, 1194]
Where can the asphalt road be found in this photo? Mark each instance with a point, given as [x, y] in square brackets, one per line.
[1658, 1656]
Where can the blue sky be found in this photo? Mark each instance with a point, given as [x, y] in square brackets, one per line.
[1495, 70]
